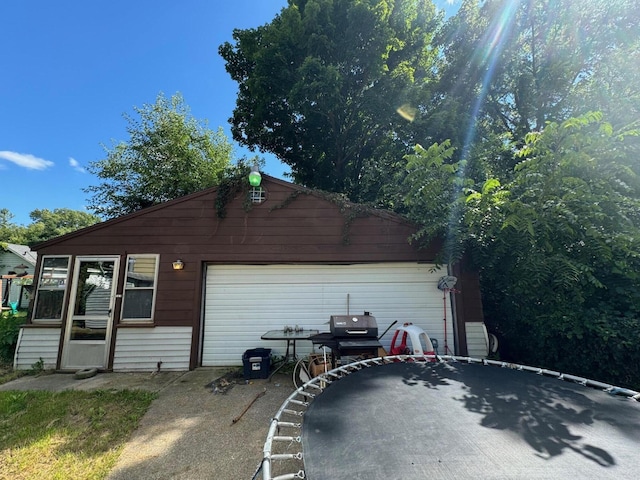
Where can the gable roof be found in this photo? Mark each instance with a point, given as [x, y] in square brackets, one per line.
[327, 196]
[24, 252]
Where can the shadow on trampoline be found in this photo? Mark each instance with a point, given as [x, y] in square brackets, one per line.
[539, 410]
[454, 420]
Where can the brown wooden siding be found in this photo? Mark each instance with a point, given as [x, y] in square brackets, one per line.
[303, 228]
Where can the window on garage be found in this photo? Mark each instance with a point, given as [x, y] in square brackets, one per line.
[140, 288]
[51, 289]
[257, 195]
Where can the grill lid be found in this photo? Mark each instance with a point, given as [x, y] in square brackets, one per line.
[353, 326]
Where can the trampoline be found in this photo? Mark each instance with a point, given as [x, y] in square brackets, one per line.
[404, 417]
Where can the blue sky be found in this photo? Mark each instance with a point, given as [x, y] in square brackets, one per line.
[71, 69]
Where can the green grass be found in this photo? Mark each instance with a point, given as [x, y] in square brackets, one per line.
[66, 435]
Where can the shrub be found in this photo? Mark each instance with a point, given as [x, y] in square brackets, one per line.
[9, 330]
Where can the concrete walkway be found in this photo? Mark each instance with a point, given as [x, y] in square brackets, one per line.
[189, 431]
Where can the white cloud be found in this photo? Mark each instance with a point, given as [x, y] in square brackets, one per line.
[25, 160]
[76, 165]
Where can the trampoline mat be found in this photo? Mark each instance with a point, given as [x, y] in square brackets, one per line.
[457, 420]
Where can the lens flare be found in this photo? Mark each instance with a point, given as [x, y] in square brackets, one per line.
[488, 54]
[407, 112]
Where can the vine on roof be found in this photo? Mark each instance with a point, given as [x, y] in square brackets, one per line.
[230, 186]
[349, 210]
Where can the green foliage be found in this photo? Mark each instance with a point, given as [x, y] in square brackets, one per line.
[320, 85]
[49, 224]
[37, 367]
[169, 154]
[46, 224]
[432, 189]
[234, 181]
[538, 61]
[9, 231]
[9, 330]
[560, 258]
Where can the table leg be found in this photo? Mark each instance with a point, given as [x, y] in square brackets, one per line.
[287, 357]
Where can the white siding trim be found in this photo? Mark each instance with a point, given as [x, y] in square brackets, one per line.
[143, 348]
[35, 344]
[244, 301]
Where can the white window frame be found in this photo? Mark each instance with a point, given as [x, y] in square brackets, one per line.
[62, 285]
[154, 288]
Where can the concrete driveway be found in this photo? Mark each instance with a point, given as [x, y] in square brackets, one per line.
[189, 431]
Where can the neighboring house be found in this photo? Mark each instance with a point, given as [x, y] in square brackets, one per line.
[17, 264]
[175, 286]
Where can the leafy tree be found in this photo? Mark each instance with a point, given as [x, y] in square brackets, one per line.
[46, 224]
[49, 224]
[10, 232]
[169, 154]
[560, 259]
[558, 246]
[321, 85]
[509, 67]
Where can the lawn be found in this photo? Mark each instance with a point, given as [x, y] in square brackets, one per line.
[60, 435]
[66, 435]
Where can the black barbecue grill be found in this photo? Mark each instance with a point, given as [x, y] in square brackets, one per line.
[350, 335]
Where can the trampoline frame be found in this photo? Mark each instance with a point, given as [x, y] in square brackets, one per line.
[295, 406]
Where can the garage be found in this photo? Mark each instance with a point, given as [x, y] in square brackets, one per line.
[244, 301]
[223, 277]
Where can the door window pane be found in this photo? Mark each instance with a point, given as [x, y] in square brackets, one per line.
[88, 330]
[92, 308]
[93, 293]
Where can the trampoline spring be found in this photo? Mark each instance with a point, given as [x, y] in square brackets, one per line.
[289, 425]
[280, 438]
[290, 476]
[287, 456]
[306, 394]
[298, 402]
[296, 413]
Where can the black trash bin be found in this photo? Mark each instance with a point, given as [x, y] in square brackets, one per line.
[257, 363]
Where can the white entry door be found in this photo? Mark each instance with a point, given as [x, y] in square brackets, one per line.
[89, 320]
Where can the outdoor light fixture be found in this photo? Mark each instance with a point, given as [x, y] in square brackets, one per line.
[178, 265]
[254, 177]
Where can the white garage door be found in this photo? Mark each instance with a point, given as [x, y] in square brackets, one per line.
[244, 301]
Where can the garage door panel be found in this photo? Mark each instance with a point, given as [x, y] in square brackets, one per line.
[244, 301]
